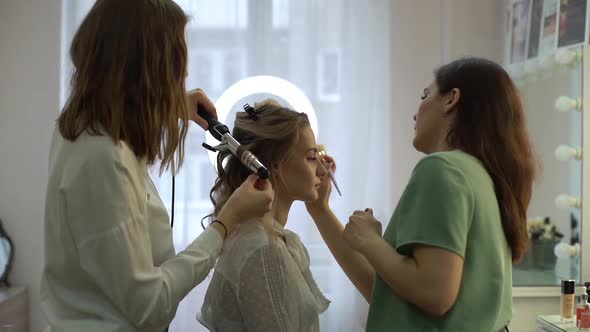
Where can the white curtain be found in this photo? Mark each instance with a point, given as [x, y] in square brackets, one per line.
[337, 53]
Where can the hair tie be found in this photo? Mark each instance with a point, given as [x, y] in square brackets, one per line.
[222, 225]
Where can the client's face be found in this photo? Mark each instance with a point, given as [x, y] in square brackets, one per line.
[302, 170]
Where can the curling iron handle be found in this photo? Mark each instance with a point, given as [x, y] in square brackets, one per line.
[211, 121]
[216, 128]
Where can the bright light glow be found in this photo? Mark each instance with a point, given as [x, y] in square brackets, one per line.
[566, 202]
[565, 153]
[261, 84]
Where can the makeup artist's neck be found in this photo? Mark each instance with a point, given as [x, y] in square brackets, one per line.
[280, 209]
[441, 146]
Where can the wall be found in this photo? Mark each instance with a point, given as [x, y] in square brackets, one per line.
[29, 101]
[412, 63]
[472, 28]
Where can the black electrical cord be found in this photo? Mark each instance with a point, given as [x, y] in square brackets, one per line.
[172, 215]
[172, 208]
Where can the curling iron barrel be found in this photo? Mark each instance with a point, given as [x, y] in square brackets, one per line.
[222, 134]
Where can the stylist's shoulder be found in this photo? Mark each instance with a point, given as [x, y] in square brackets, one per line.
[103, 160]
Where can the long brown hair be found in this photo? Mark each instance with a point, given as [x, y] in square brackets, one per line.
[490, 124]
[130, 60]
[270, 138]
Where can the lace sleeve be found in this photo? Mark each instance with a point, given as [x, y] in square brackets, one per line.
[262, 293]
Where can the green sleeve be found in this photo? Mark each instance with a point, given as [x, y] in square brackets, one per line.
[436, 208]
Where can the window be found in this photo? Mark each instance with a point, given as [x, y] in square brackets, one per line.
[307, 43]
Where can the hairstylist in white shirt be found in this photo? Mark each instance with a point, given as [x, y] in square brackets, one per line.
[110, 263]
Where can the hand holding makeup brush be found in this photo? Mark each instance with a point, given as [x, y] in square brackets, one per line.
[328, 161]
[322, 204]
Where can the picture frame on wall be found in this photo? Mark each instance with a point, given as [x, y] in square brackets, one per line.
[548, 38]
[215, 70]
[201, 70]
[329, 74]
[205, 179]
[536, 18]
[507, 33]
[572, 23]
[234, 66]
[519, 30]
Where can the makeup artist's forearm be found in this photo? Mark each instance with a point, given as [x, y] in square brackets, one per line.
[405, 277]
[356, 267]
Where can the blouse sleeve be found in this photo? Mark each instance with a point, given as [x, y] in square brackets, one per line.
[436, 208]
[106, 212]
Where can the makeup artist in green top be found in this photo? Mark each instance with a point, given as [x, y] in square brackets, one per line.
[445, 260]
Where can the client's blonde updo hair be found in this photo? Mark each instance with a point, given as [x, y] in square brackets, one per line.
[270, 137]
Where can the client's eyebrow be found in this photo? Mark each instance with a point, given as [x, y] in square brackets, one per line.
[314, 149]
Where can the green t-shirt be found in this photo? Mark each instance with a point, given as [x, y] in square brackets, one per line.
[450, 203]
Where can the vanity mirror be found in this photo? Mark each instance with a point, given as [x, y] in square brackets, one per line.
[6, 256]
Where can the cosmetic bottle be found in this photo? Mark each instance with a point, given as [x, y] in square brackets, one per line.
[583, 312]
[567, 300]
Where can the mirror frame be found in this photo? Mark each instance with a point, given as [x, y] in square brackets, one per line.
[4, 276]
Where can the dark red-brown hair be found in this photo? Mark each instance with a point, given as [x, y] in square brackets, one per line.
[490, 125]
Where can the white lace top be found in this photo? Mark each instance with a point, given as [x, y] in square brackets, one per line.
[263, 283]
